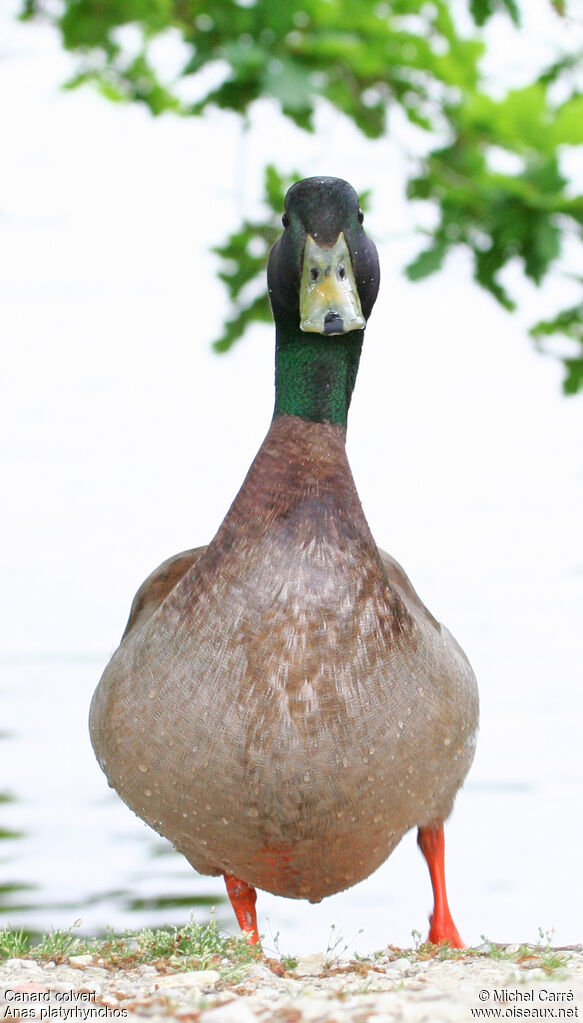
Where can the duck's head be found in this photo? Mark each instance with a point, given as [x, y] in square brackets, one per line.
[323, 272]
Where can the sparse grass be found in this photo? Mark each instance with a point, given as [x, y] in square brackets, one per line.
[13, 944]
[57, 945]
[202, 946]
[337, 946]
[288, 962]
[539, 954]
[528, 955]
[192, 947]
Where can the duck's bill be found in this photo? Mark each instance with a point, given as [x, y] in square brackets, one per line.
[329, 300]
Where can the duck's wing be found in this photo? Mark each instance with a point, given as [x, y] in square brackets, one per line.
[399, 579]
[158, 585]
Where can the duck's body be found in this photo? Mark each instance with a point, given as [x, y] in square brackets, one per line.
[282, 705]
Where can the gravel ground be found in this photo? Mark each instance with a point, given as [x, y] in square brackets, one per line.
[386, 988]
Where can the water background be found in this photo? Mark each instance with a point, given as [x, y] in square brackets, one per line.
[124, 439]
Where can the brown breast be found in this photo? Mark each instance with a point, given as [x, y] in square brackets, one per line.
[288, 711]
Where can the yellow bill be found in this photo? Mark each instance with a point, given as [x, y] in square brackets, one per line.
[329, 300]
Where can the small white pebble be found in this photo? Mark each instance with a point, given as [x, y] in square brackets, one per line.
[80, 961]
[514, 977]
[25, 964]
[315, 1008]
[535, 974]
[433, 994]
[146, 970]
[259, 972]
[192, 978]
[233, 1012]
[310, 965]
[124, 990]
[400, 965]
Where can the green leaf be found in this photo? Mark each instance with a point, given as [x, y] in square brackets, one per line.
[541, 247]
[286, 81]
[485, 276]
[243, 269]
[276, 185]
[568, 324]
[573, 381]
[567, 128]
[428, 261]
[546, 177]
[29, 10]
[482, 10]
[520, 121]
[108, 89]
[259, 310]
[513, 11]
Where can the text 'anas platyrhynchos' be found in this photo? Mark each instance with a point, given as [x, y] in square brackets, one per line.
[282, 706]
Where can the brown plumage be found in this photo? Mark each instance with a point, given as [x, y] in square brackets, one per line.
[282, 706]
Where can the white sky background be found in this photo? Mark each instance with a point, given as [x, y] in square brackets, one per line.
[124, 439]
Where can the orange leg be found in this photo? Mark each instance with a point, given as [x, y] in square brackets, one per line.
[243, 899]
[442, 929]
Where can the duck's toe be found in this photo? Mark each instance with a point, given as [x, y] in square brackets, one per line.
[443, 931]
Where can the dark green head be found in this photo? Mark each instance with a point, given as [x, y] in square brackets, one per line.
[323, 259]
[323, 279]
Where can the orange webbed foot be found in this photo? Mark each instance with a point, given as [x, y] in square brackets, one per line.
[243, 898]
[442, 930]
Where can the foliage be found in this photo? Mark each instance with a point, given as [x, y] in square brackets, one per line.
[502, 216]
[365, 58]
[359, 55]
[568, 323]
[244, 256]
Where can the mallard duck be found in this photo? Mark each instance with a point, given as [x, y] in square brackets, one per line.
[282, 705]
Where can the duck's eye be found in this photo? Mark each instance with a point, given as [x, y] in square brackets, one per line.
[314, 274]
[285, 220]
[360, 216]
[341, 272]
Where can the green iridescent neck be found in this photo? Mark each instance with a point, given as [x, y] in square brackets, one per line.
[315, 375]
